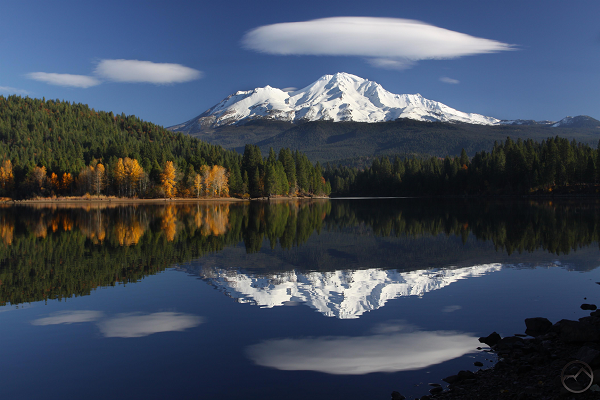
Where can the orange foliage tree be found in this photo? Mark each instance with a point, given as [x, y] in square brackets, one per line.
[66, 181]
[167, 179]
[54, 182]
[7, 178]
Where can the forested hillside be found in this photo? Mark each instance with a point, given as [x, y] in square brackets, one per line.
[521, 167]
[328, 141]
[60, 148]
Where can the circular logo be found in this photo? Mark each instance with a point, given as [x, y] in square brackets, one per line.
[577, 376]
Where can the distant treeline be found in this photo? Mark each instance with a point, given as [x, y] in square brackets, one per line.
[520, 167]
[60, 148]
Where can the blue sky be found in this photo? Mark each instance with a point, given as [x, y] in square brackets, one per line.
[168, 61]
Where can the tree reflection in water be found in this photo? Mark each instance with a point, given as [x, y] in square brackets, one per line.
[50, 251]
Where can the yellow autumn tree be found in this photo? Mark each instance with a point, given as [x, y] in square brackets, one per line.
[119, 174]
[198, 184]
[219, 180]
[133, 175]
[7, 178]
[167, 179]
[54, 182]
[66, 181]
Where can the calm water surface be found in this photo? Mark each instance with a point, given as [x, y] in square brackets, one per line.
[340, 299]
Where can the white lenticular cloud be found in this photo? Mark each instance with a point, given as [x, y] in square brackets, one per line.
[69, 317]
[11, 90]
[136, 71]
[451, 81]
[138, 325]
[384, 39]
[80, 81]
[398, 351]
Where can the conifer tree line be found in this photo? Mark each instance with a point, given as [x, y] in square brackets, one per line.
[58, 148]
[289, 173]
[520, 167]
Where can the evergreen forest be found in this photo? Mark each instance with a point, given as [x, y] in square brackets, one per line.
[552, 166]
[57, 148]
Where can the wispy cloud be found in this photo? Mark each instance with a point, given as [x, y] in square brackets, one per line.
[80, 81]
[11, 90]
[391, 42]
[69, 317]
[138, 325]
[452, 308]
[130, 71]
[391, 351]
[390, 63]
[145, 71]
[451, 81]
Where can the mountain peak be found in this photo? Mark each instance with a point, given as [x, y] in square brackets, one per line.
[338, 97]
[581, 121]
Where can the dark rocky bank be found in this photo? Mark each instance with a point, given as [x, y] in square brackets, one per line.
[530, 366]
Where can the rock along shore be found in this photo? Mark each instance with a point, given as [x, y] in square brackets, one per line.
[530, 366]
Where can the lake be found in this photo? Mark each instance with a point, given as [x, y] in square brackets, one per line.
[323, 299]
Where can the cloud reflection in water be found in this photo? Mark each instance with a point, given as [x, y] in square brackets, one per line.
[69, 317]
[344, 355]
[138, 325]
[125, 325]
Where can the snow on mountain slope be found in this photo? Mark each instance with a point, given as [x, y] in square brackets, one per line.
[342, 294]
[339, 97]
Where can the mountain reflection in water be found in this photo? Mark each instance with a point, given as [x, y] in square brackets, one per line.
[54, 252]
[343, 294]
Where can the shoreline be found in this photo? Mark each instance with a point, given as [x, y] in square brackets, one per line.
[124, 200]
[531, 365]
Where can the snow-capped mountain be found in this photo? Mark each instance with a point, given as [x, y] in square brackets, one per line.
[343, 294]
[339, 97]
